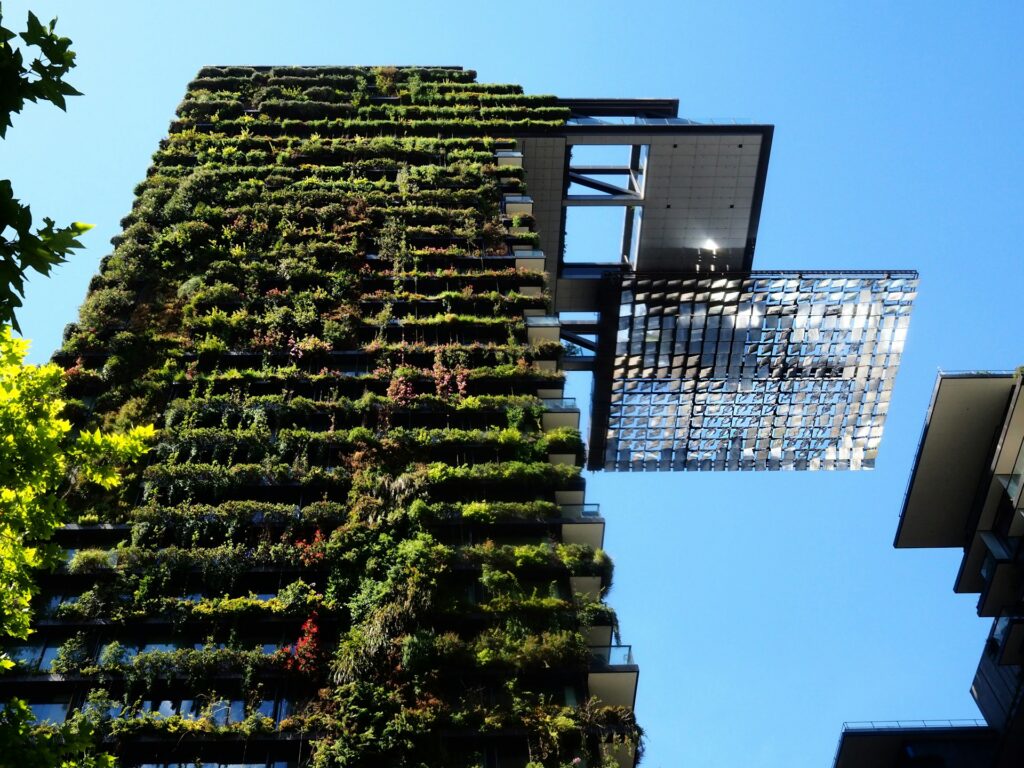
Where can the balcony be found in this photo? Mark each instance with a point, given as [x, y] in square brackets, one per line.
[518, 205]
[99, 534]
[623, 753]
[996, 688]
[571, 497]
[541, 328]
[1008, 464]
[589, 586]
[530, 259]
[613, 675]
[582, 512]
[509, 157]
[560, 412]
[892, 744]
[583, 524]
[1000, 573]
[967, 412]
[1007, 639]
[1009, 506]
[993, 558]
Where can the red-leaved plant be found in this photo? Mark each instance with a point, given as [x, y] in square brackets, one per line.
[312, 551]
[306, 654]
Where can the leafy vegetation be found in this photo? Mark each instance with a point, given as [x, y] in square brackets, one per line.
[39, 457]
[352, 496]
[41, 79]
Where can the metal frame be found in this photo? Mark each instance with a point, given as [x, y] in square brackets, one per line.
[755, 370]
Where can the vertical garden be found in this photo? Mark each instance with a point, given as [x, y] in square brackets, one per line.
[346, 546]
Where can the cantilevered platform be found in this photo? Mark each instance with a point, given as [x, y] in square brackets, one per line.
[700, 362]
[965, 417]
[691, 193]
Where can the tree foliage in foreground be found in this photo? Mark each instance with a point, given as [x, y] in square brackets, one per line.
[39, 457]
[22, 247]
[70, 744]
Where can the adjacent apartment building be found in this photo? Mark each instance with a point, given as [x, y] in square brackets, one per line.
[965, 492]
[363, 537]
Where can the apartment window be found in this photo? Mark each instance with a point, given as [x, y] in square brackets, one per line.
[150, 647]
[125, 651]
[571, 700]
[49, 711]
[284, 709]
[205, 646]
[222, 712]
[168, 707]
[27, 656]
[49, 654]
[37, 656]
[277, 709]
[225, 711]
[504, 756]
[53, 602]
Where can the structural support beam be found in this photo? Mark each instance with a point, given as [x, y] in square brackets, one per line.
[579, 341]
[600, 186]
[605, 200]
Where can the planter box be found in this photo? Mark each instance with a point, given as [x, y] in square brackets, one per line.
[518, 205]
[509, 157]
[529, 259]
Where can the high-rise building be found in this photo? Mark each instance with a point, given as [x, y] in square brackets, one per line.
[965, 492]
[362, 538]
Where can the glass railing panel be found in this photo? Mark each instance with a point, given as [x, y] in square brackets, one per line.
[612, 655]
[640, 120]
[999, 628]
[542, 321]
[1013, 483]
[988, 568]
[591, 511]
[559, 403]
[885, 725]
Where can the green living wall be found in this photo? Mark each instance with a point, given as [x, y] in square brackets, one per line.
[345, 548]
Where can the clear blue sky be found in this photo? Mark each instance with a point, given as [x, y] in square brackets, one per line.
[764, 609]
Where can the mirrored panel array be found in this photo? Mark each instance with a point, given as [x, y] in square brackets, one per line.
[760, 371]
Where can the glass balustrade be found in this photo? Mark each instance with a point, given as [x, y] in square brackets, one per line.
[585, 511]
[559, 403]
[612, 655]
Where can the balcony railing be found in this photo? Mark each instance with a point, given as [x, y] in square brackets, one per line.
[509, 157]
[640, 120]
[996, 688]
[1013, 480]
[894, 725]
[585, 511]
[1005, 638]
[542, 321]
[612, 655]
[559, 404]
